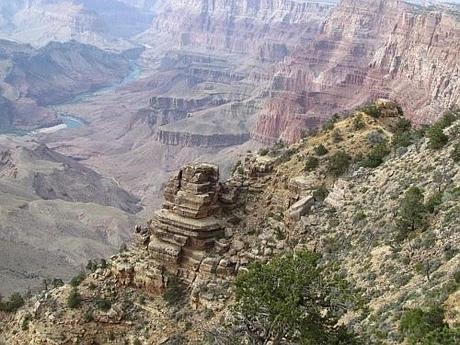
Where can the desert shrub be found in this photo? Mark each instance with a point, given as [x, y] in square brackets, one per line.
[437, 138]
[175, 292]
[402, 139]
[375, 137]
[330, 124]
[456, 153]
[15, 302]
[336, 136]
[289, 298]
[375, 157]
[89, 317]
[103, 264]
[427, 327]
[372, 110]
[74, 299]
[411, 211]
[56, 282]
[91, 265]
[403, 125]
[311, 163]
[263, 152]
[433, 202]
[358, 122]
[103, 304]
[403, 136]
[359, 216]
[321, 150]
[339, 163]
[77, 280]
[448, 118]
[25, 322]
[320, 193]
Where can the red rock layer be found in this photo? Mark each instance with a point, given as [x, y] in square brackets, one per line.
[367, 49]
[266, 29]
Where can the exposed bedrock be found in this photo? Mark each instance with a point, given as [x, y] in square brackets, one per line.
[265, 29]
[366, 50]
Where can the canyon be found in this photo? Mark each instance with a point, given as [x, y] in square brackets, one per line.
[213, 79]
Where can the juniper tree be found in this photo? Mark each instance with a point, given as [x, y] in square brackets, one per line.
[411, 210]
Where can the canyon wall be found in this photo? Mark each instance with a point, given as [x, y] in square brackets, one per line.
[265, 29]
[366, 50]
[419, 63]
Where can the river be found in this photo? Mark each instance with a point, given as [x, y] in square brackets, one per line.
[71, 121]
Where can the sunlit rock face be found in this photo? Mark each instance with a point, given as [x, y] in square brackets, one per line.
[366, 50]
[266, 29]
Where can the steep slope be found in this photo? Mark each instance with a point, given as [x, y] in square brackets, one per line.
[32, 79]
[55, 215]
[366, 50]
[275, 203]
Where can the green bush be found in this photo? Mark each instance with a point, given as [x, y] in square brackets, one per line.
[320, 193]
[175, 291]
[89, 317]
[376, 156]
[403, 125]
[372, 110]
[330, 124]
[77, 280]
[91, 265]
[321, 150]
[15, 302]
[456, 153]
[26, 321]
[433, 202]
[449, 117]
[289, 298]
[339, 163]
[311, 163]
[358, 122]
[74, 299]
[418, 323]
[411, 211]
[427, 327]
[103, 304]
[402, 139]
[263, 152]
[437, 137]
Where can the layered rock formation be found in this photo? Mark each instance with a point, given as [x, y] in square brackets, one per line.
[419, 63]
[183, 237]
[264, 29]
[366, 50]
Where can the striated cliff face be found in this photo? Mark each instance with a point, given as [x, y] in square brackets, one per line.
[265, 29]
[367, 49]
[419, 63]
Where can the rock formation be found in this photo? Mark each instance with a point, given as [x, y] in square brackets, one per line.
[366, 50]
[183, 237]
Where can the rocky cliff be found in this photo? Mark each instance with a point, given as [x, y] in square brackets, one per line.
[365, 50]
[176, 282]
[264, 29]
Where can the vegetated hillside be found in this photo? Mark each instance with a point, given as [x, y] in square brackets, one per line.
[55, 214]
[368, 201]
